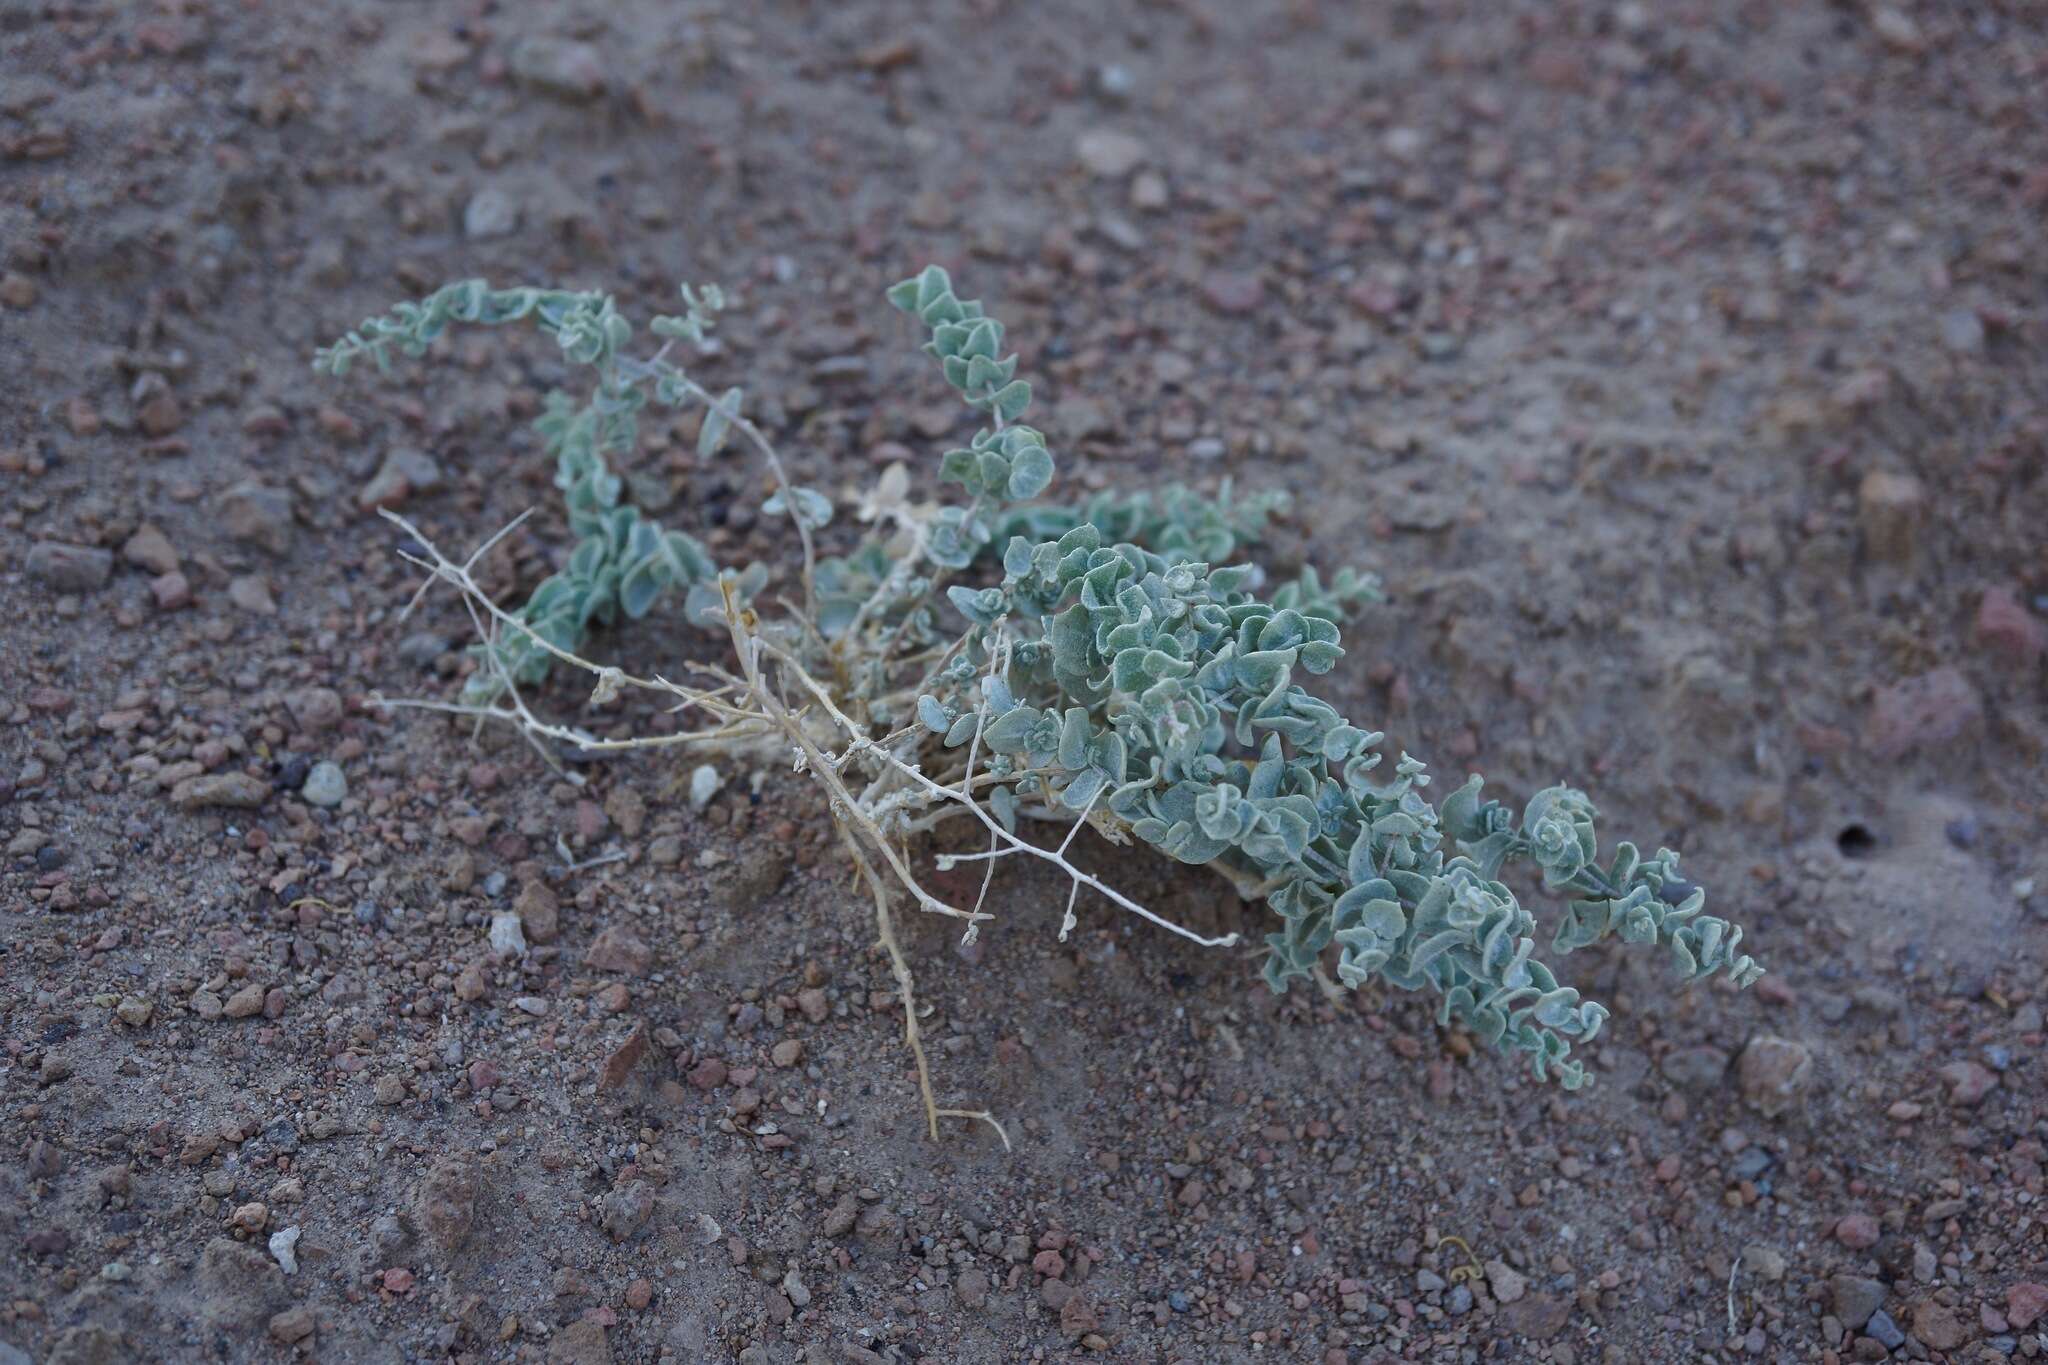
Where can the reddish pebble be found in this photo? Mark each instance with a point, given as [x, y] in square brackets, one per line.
[171, 591]
[398, 1280]
[639, 1294]
[1050, 1264]
[2025, 1303]
[1857, 1231]
[708, 1074]
[2007, 628]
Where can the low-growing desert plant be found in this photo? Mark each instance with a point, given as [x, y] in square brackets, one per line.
[1016, 663]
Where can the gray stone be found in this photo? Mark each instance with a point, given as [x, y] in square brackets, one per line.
[627, 1209]
[257, 514]
[1695, 1068]
[251, 594]
[555, 66]
[1108, 153]
[405, 474]
[1853, 1298]
[1766, 1263]
[1962, 331]
[1885, 1331]
[326, 786]
[490, 213]
[70, 568]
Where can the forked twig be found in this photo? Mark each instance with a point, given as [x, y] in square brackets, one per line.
[900, 966]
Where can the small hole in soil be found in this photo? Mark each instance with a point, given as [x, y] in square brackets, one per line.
[1856, 841]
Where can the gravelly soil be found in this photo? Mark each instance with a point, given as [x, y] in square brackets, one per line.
[1680, 368]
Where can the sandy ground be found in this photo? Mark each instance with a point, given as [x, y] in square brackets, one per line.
[1680, 367]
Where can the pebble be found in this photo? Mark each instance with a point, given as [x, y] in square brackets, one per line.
[248, 592]
[157, 410]
[1114, 82]
[314, 708]
[1885, 1331]
[1774, 1073]
[171, 591]
[840, 1218]
[530, 1004]
[1695, 1068]
[444, 1205]
[406, 473]
[1931, 708]
[233, 791]
[256, 514]
[1857, 1231]
[1232, 292]
[292, 1325]
[69, 568]
[284, 1246]
[2008, 629]
[1962, 331]
[150, 549]
[619, 1063]
[1766, 1263]
[571, 71]
[471, 984]
[1109, 154]
[1150, 192]
[1968, 1083]
[626, 1209]
[1890, 508]
[539, 912]
[580, 1343]
[618, 950]
[1899, 32]
[508, 937]
[422, 648]
[1404, 144]
[245, 1003]
[325, 785]
[628, 810]
[2026, 1303]
[388, 1236]
[1938, 1327]
[1853, 1298]
[489, 213]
